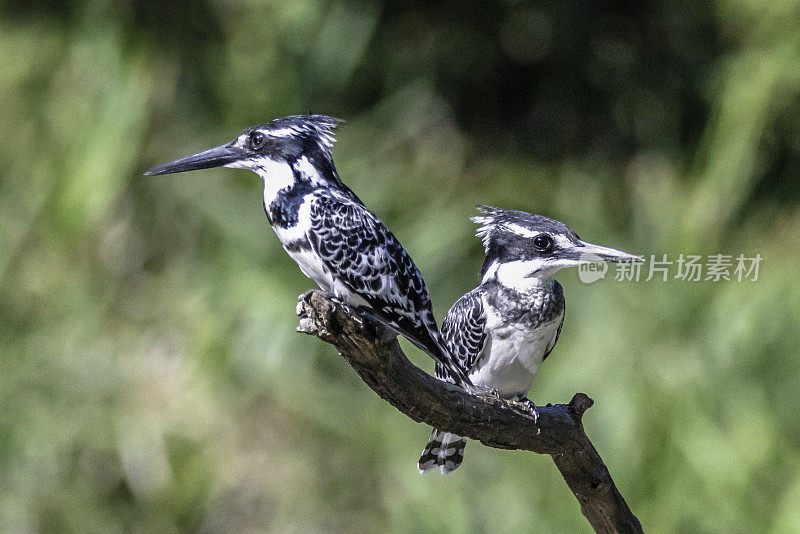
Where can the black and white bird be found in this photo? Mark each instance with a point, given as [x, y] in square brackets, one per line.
[337, 242]
[501, 331]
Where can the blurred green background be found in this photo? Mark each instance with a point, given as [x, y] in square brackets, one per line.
[150, 376]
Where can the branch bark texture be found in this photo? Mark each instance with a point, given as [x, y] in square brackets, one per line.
[375, 354]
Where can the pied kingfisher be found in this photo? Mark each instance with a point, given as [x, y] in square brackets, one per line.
[337, 242]
[501, 331]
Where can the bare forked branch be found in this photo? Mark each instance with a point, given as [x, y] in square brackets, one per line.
[375, 354]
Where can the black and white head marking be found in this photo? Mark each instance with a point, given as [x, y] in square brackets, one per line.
[288, 149]
[289, 138]
[522, 245]
[293, 156]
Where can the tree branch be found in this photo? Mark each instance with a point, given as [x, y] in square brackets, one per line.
[373, 351]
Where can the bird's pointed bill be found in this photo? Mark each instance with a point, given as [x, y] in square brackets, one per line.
[213, 157]
[590, 253]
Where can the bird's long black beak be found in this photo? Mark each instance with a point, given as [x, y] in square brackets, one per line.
[590, 253]
[213, 157]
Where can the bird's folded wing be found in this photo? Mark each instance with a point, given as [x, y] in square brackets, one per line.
[464, 331]
[369, 260]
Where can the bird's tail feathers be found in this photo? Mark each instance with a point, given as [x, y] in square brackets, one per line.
[444, 451]
[431, 342]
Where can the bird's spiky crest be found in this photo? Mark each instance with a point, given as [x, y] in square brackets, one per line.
[318, 127]
[491, 219]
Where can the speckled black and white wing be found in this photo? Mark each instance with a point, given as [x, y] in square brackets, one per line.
[366, 260]
[464, 331]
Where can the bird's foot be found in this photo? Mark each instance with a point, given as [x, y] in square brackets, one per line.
[306, 324]
[357, 314]
[482, 391]
[305, 298]
[304, 305]
[531, 408]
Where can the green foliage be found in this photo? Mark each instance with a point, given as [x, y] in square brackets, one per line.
[150, 376]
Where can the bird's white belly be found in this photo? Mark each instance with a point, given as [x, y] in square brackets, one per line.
[308, 261]
[312, 267]
[515, 354]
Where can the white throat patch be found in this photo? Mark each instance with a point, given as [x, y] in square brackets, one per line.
[277, 176]
[520, 275]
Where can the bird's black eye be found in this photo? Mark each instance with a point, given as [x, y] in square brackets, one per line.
[257, 140]
[543, 242]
